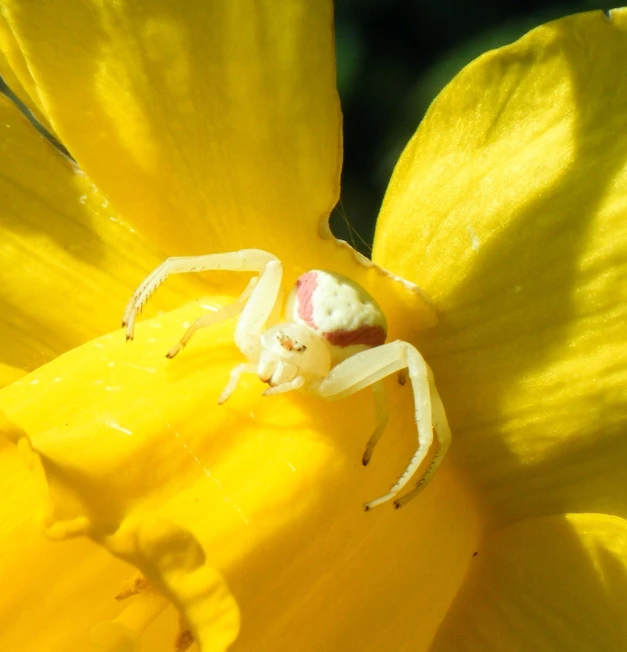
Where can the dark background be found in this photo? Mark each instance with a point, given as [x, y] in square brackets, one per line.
[393, 58]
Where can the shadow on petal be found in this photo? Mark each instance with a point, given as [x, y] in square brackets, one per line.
[549, 583]
[524, 254]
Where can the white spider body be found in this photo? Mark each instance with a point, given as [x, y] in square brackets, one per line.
[332, 344]
[339, 309]
[289, 350]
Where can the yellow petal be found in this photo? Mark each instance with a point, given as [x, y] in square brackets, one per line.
[209, 128]
[9, 374]
[67, 257]
[222, 121]
[57, 591]
[513, 192]
[546, 584]
[14, 72]
[251, 508]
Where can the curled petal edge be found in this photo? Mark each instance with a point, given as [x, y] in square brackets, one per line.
[170, 556]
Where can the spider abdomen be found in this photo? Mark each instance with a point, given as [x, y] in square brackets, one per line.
[338, 309]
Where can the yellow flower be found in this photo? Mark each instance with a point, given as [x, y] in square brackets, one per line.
[208, 128]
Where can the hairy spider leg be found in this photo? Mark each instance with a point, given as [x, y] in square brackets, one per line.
[259, 308]
[443, 432]
[224, 313]
[368, 367]
[381, 412]
[246, 260]
[236, 372]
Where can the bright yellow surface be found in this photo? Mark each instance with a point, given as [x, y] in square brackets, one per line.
[544, 584]
[68, 259]
[138, 454]
[514, 191]
[9, 374]
[196, 118]
[53, 593]
[14, 72]
[208, 128]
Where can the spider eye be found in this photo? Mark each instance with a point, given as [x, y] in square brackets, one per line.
[290, 344]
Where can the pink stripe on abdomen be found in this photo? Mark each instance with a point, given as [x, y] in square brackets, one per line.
[366, 335]
[305, 287]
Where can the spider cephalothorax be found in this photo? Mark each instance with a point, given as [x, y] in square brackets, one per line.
[331, 344]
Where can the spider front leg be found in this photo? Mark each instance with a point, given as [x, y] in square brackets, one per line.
[246, 260]
[368, 367]
[256, 306]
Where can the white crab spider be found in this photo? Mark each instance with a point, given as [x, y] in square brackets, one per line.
[332, 344]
